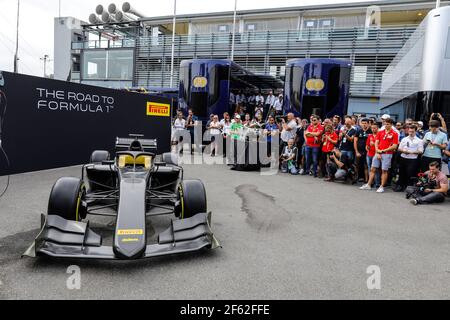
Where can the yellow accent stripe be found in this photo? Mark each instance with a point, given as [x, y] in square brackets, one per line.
[182, 202]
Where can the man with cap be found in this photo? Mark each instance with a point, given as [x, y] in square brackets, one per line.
[420, 131]
[236, 128]
[384, 117]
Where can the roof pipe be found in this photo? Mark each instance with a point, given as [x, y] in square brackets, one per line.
[127, 8]
[94, 19]
[99, 9]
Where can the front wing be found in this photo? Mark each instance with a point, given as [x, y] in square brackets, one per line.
[60, 238]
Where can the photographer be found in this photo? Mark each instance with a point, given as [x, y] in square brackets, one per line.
[338, 166]
[439, 118]
[347, 138]
[432, 189]
[288, 158]
[289, 129]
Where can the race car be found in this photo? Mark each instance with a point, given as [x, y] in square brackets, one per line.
[130, 188]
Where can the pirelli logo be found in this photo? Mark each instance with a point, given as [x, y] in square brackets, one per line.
[158, 109]
[130, 232]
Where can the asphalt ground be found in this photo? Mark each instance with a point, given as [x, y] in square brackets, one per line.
[283, 237]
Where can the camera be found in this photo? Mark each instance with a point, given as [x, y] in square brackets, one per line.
[280, 119]
[435, 116]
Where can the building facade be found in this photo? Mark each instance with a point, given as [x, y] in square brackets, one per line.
[139, 53]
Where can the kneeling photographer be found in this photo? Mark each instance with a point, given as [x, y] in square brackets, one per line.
[340, 167]
[431, 188]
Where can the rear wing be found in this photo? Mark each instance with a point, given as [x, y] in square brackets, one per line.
[149, 145]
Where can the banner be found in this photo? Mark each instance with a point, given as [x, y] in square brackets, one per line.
[47, 123]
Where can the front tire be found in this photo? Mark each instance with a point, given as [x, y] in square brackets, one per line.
[192, 200]
[66, 199]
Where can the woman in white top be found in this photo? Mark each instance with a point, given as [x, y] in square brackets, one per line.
[178, 125]
[225, 124]
[214, 130]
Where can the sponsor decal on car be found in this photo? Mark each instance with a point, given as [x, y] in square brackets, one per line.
[130, 232]
[128, 240]
[158, 109]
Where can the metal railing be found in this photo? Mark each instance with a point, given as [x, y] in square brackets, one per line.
[370, 51]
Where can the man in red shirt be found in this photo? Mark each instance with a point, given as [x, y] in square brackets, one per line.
[313, 138]
[386, 144]
[330, 139]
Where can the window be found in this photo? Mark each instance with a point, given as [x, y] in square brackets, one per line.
[360, 73]
[108, 64]
[326, 23]
[224, 28]
[309, 24]
[251, 27]
[94, 65]
[273, 71]
[216, 76]
[296, 79]
[120, 64]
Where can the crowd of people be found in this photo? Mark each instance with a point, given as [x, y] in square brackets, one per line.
[355, 149]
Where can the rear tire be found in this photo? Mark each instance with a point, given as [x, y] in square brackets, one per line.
[99, 156]
[191, 199]
[66, 199]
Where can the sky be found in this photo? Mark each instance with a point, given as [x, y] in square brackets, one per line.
[37, 20]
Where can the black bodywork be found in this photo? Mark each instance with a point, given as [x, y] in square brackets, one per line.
[131, 188]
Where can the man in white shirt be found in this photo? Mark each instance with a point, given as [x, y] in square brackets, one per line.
[270, 100]
[178, 126]
[259, 99]
[410, 148]
[278, 105]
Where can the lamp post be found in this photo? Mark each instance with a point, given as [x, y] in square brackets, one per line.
[16, 55]
[45, 59]
[233, 40]
[173, 43]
